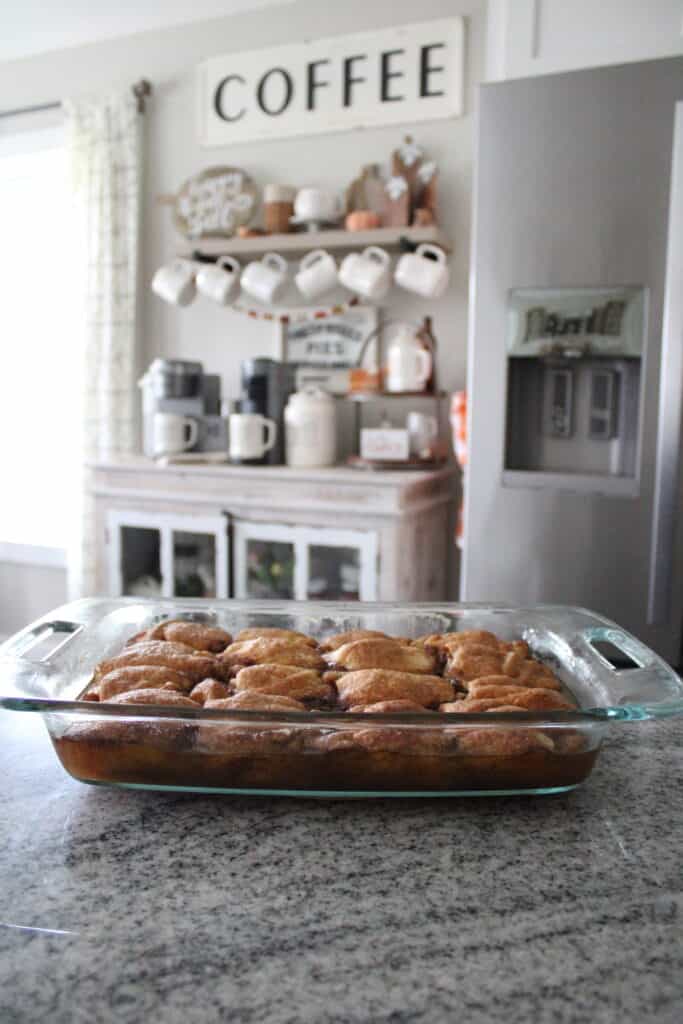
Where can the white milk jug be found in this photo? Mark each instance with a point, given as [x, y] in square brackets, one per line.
[310, 429]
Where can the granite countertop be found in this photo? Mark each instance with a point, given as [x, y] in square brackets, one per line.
[125, 906]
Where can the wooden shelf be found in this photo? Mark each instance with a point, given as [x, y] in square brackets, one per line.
[303, 241]
[370, 396]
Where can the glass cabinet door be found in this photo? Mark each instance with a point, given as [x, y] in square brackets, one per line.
[265, 559]
[161, 555]
[333, 573]
[270, 569]
[340, 565]
[194, 564]
[139, 563]
[304, 563]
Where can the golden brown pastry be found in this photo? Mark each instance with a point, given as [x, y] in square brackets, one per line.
[471, 661]
[447, 642]
[493, 686]
[389, 707]
[516, 647]
[286, 680]
[274, 633]
[332, 643]
[151, 696]
[499, 686]
[139, 677]
[512, 662]
[160, 652]
[502, 742]
[370, 686]
[533, 699]
[209, 689]
[195, 634]
[380, 653]
[251, 700]
[534, 673]
[275, 651]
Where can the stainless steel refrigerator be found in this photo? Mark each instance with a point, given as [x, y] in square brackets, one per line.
[575, 367]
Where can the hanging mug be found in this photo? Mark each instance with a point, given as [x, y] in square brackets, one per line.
[265, 279]
[317, 274]
[418, 272]
[175, 283]
[219, 281]
[367, 273]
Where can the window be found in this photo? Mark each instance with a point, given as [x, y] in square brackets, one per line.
[39, 416]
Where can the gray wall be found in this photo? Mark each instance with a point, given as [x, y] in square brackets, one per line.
[168, 58]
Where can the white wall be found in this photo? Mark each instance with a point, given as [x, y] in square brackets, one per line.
[168, 58]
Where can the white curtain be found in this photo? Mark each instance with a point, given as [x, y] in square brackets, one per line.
[105, 144]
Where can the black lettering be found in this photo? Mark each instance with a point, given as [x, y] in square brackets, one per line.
[387, 75]
[313, 83]
[218, 98]
[288, 91]
[427, 69]
[349, 78]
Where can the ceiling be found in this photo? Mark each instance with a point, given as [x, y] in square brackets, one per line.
[34, 26]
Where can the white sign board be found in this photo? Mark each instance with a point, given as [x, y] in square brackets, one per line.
[410, 73]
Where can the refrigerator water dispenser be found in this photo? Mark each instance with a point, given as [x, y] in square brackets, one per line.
[574, 361]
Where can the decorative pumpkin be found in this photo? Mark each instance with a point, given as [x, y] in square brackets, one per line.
[362, 220]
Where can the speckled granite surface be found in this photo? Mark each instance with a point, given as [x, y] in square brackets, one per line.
[124, 906]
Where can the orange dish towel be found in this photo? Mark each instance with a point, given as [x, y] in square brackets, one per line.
[458, 419]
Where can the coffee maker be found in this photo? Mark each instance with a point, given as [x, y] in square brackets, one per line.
[266, 386]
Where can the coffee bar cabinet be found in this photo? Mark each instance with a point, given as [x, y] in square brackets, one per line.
[272, 532]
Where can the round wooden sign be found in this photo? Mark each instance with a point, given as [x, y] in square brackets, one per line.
[215, 203]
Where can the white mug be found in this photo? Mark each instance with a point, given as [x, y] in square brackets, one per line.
[416, 272]
[219, 281]
[317, 274]
[316, 204]
[422, 430]
[264, 279]
[176, 282]
[366, 273]
[246, 435]
[172, 433]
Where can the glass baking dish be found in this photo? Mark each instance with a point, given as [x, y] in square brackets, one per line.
[46, 666]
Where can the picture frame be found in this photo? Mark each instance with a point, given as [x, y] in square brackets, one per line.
[333, 340]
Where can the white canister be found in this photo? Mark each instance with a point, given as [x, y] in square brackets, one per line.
[310, 429]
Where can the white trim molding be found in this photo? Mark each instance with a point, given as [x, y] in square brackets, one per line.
[541, 37]
[33, 554]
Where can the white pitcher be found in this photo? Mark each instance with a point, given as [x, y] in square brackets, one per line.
[409, 364]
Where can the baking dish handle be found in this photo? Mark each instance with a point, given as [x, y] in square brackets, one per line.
[47, 637]
[645, 671]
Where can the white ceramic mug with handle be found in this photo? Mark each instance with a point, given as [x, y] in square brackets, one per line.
[264, 279]
[247, 440]
[317, 274]
[176, 282]
[367, 273]
[219, 281]
[172, 434]
[424, 271]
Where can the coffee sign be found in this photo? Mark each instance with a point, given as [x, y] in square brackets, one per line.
[397, 75]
